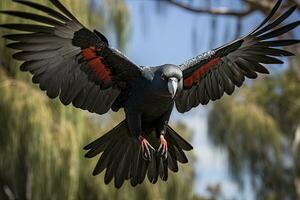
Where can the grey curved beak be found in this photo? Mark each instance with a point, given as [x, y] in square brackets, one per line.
[172, 86]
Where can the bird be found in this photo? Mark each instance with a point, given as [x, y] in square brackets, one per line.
[77, 65]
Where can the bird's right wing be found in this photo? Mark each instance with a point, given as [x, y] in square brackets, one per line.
[68, 60]
[207, 76]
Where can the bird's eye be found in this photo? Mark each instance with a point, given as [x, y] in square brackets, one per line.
[163, 77]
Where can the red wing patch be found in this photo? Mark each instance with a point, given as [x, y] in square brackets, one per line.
[188, 82]
[95, 63]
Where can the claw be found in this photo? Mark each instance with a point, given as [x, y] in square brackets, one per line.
[146, 148]
[163, 147]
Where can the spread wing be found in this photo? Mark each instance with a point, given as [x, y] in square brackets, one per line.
[210, 75]
[68, 60]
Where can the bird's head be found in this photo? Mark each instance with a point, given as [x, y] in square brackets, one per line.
[168, 80]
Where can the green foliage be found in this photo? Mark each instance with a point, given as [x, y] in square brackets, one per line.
[257, 127]
[35, 147]
[118, 16]
[238, 124]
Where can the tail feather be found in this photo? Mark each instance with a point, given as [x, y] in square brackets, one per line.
[153, 168]
[163, 169]
[102, 162]
[180, 155]
[103, 141]
[121, 156]
[124, 166]
[172, 162]
[142, 170]
[114, 161]
[178, 140]
[133, 175]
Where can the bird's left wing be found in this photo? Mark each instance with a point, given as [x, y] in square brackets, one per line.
[68, 60]
[207, 76]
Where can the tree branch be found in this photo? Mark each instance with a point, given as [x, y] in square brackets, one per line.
[250, 6]
[213, 11]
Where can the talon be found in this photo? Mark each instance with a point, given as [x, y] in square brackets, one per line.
[159, 148]
[163, 147]
[146, 147]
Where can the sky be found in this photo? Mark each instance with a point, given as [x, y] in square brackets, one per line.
[163, 34]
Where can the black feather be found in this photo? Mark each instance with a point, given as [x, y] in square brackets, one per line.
[171, 150]
[220, 82]
[225, 83]
[192, 96]
[79, 100]
[95, 151]
[38, 67]
[263, 59]
[180, 155]
[119, 174]
[33, 65]
[63, 9]
[38, 38]
[100, 105]
[215, 86]
[261, 50]
[278, 43]
[208, 86]
[109, 153]
[87, 99]
[277, 21]
[172, 162]
[136, 168]
[90, 99]
[228, 85]
[237, 75]
[28, 28]
[34, 17]
[133, 160]
[54, 83]
[258, 67]
[105, 158]
[114, 161]
[228, 48]
[206, 100]
[201, 91]
[163, 169]
[32, 55]
[153, 168]
[143, 170]
[125, 174]
[273, 11]
[45, 9]
[178, 139]
[279, 31]
[105, 138]
[74, 90]
[33, 47]
[102, 37]
[245, 66]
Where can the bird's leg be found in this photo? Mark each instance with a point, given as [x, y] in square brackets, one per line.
[146, 148]
[161, 129]
[135, 126]
[163, 147]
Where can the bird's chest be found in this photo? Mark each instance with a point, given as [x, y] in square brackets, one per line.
[145, 100]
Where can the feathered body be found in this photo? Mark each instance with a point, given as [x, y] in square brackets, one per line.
[77, 65]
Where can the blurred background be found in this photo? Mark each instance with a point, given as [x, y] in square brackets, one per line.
[245, 146]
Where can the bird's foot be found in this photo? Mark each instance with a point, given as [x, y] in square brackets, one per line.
[146, 147]
[163, 147]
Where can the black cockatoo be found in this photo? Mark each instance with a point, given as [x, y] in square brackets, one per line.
[77, 65]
